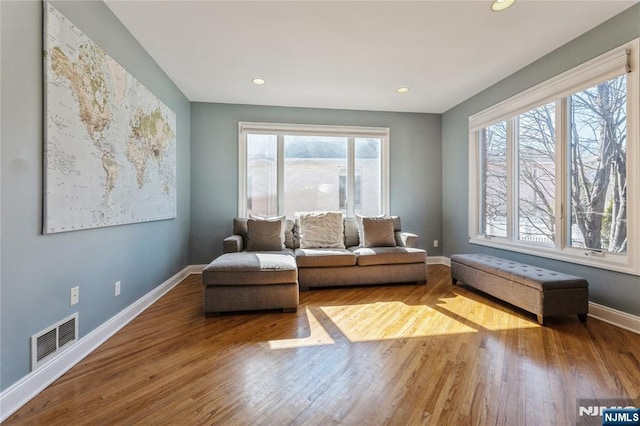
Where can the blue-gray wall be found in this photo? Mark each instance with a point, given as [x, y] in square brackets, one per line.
[37, 271]
[615, 290]
[415, 163]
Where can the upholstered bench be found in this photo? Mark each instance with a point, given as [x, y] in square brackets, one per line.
[537, 290]
[248, 281]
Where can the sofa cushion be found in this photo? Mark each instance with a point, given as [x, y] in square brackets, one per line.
[368, 256]
[265, 235]
[324, 257]
[254, 268]
[321, 230]
[378, 232]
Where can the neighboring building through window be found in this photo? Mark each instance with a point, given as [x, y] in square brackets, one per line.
[554, 170]
[285, 169]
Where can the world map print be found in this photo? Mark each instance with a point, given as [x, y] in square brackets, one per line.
[110, 144]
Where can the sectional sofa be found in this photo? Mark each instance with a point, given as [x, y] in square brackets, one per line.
[241, 278]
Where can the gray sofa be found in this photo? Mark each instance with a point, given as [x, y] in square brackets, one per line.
[354, 265]
[242, 280]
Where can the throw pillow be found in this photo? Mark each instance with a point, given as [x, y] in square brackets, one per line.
[264, 235]
[378, 232]
[282, 219]
[321, 230]
[359, 224]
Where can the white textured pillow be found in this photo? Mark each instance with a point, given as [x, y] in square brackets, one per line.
[321, 230]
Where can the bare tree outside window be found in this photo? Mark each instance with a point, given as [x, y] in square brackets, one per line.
[537, 174]
[598, 135]
[493, 142]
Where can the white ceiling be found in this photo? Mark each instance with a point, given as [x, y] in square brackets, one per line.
[352, 55]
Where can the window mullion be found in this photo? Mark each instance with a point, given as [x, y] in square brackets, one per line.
[562, 190]
[512, 179]
[242, 175]
[280, 173]
[351, 176]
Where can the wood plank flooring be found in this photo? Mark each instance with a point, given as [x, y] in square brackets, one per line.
[406, 354]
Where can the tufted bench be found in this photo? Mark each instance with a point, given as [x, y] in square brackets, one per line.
[247, 281]
[541, 291]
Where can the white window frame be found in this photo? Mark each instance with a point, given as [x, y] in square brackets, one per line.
[281, 130]
[604, 67]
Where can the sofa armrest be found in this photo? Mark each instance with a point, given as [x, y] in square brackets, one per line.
[409, 240]
[233, 244]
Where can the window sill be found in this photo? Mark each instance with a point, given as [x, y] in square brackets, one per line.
[610, 262]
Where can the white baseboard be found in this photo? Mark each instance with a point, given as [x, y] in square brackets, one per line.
[440, 260]
[614, 317]
[21, 392]
[195, 269]
[436, 260]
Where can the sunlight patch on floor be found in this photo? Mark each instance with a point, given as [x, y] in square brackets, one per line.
[397, 320]
[317, 336]
[392, 320]
[486, 316]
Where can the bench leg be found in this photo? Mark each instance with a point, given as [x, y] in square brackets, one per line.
[582, 318]
[540, 319]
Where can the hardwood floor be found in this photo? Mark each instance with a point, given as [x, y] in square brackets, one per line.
[435, 354]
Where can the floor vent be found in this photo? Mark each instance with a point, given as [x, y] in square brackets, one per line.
[52, 340]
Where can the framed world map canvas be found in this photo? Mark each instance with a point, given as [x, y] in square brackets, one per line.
[110, 144]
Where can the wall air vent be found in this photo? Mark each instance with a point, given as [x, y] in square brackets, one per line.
[53, 340]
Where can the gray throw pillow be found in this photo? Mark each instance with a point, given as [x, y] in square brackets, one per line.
[378, 232]
[359, 225]
[282, 218]
[264, 235]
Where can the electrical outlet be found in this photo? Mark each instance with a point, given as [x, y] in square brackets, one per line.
[75, 295]
[435, 243]
[117, 288]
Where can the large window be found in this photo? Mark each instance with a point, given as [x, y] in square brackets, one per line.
[286, 169]
[554, 170]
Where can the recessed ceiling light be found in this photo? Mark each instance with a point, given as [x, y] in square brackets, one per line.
[258, 81]
[403, 90]
[499, 5]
